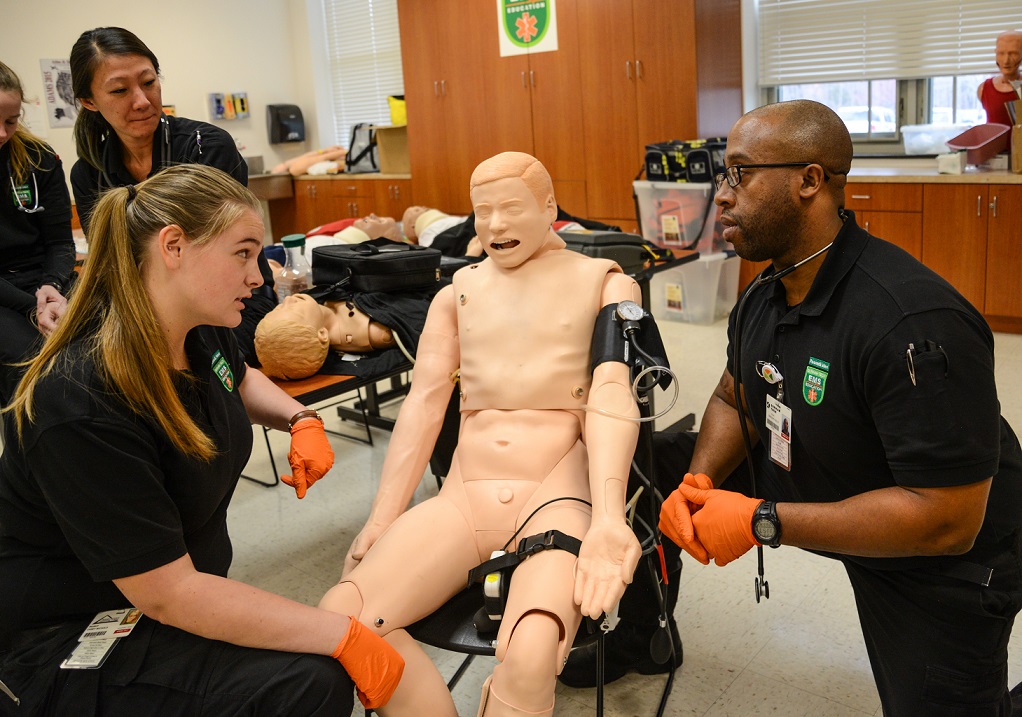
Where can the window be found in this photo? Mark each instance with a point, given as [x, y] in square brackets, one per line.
[363, 48]
[880, 62]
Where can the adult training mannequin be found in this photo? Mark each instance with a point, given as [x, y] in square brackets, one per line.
[293, 339]
[995, 91]
[525, 439]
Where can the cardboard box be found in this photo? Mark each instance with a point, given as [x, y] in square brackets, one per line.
[392, 143]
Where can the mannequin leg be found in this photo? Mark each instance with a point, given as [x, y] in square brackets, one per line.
[420, 685]
[523, 683]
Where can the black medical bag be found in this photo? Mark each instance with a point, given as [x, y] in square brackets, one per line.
[376, 265]
[628, 250]
[363, 154]
[696, 160]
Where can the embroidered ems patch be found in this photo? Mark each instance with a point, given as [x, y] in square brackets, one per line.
[223, 371]
[815, 381]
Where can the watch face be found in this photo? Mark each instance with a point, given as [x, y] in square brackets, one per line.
[764, 530]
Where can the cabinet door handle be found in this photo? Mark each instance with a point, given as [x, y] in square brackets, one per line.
[638, 69]
[397, 191]
[523, 79]
[861, 196]
[993, 206]
[628, 69]
[979, 205]
[867, 227]
[436, 88]
[532, 77]
[443, 87]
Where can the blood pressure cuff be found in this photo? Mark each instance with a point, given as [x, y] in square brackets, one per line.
[611, 344]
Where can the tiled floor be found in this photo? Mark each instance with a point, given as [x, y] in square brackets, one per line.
[798, 653]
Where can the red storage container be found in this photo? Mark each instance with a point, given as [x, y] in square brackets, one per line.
[982, 142]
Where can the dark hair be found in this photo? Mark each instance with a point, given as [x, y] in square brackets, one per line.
[89, 50]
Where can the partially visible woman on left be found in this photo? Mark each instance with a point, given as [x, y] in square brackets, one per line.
[37, 253]
[123, 446]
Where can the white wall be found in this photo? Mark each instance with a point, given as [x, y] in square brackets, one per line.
[254, 46]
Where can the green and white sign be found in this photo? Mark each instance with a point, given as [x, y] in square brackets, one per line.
[526, 26]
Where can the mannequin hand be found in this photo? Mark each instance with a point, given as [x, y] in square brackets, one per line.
[310, 456]
[723, 523]
[606, 563]
[373, 665]
[676, 518]
[368, 536]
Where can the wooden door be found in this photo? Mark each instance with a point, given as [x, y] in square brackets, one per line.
[665, 72]
[1004, 251]
[555, 84]
[955, 236]
[609, 123]
[427, 40]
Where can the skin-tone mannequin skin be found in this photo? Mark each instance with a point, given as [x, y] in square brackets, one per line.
[1008, 53]
[297, 166]
[525, 438]
[377, 227]
[292, 340]
[411, 232]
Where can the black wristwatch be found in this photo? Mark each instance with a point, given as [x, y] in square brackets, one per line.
[766, 526]
[55, 284]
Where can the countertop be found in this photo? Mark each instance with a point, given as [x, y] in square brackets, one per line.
[926, 175]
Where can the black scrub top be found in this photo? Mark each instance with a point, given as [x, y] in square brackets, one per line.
[859, 421]
[93, 491]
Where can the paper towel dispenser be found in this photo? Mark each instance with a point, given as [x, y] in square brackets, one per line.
[284, 123]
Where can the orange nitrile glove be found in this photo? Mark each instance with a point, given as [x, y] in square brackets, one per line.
[310, 456]
[723, 523]
[373, 665]
[676, 518]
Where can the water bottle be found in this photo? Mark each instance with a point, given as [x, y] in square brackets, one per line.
[297, 274]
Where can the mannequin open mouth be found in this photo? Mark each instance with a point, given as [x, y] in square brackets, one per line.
[505, 244]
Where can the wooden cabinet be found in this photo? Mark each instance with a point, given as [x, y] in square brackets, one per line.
[890, 211]
[392, 197]
[1004, 254]
[638, 86]
[315, 203]
[623, 76]
[955, 236]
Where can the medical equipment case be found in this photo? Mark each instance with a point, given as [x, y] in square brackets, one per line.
[376, 265]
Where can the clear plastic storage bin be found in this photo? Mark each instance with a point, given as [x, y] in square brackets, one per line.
[699, 292]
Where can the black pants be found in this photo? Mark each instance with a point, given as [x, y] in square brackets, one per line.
[164, 671]
[938, 645]
[20, 339]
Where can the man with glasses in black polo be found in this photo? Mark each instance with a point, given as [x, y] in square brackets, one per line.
[866, 384]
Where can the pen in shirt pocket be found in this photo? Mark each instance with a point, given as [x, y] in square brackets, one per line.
[927, 346]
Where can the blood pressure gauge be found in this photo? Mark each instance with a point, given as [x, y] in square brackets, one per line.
[630, 311]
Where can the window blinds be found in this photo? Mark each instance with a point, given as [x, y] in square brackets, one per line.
[364, 52]
[804, 41]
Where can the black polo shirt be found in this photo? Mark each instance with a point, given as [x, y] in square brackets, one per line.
[858, 421]
[93, 491]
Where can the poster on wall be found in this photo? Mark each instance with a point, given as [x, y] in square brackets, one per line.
[526, 26]
[60, 99]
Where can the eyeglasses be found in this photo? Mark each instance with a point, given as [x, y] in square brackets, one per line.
[733, 174]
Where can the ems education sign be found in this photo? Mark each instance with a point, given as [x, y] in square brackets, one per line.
[526, 26]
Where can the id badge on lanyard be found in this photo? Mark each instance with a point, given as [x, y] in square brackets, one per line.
[778, 417]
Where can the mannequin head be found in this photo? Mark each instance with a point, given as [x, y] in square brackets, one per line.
[1009, 54]
[292, 340]
[513, 200]
[408, 222]
[376, 227]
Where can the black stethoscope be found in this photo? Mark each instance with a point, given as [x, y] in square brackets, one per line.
[761, 585]
[21, 204]
[164, 151]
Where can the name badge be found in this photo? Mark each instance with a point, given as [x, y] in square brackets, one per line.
[99, 639]
[778, 422]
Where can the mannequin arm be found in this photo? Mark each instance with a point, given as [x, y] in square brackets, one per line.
[610, 550]
[418, 423]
